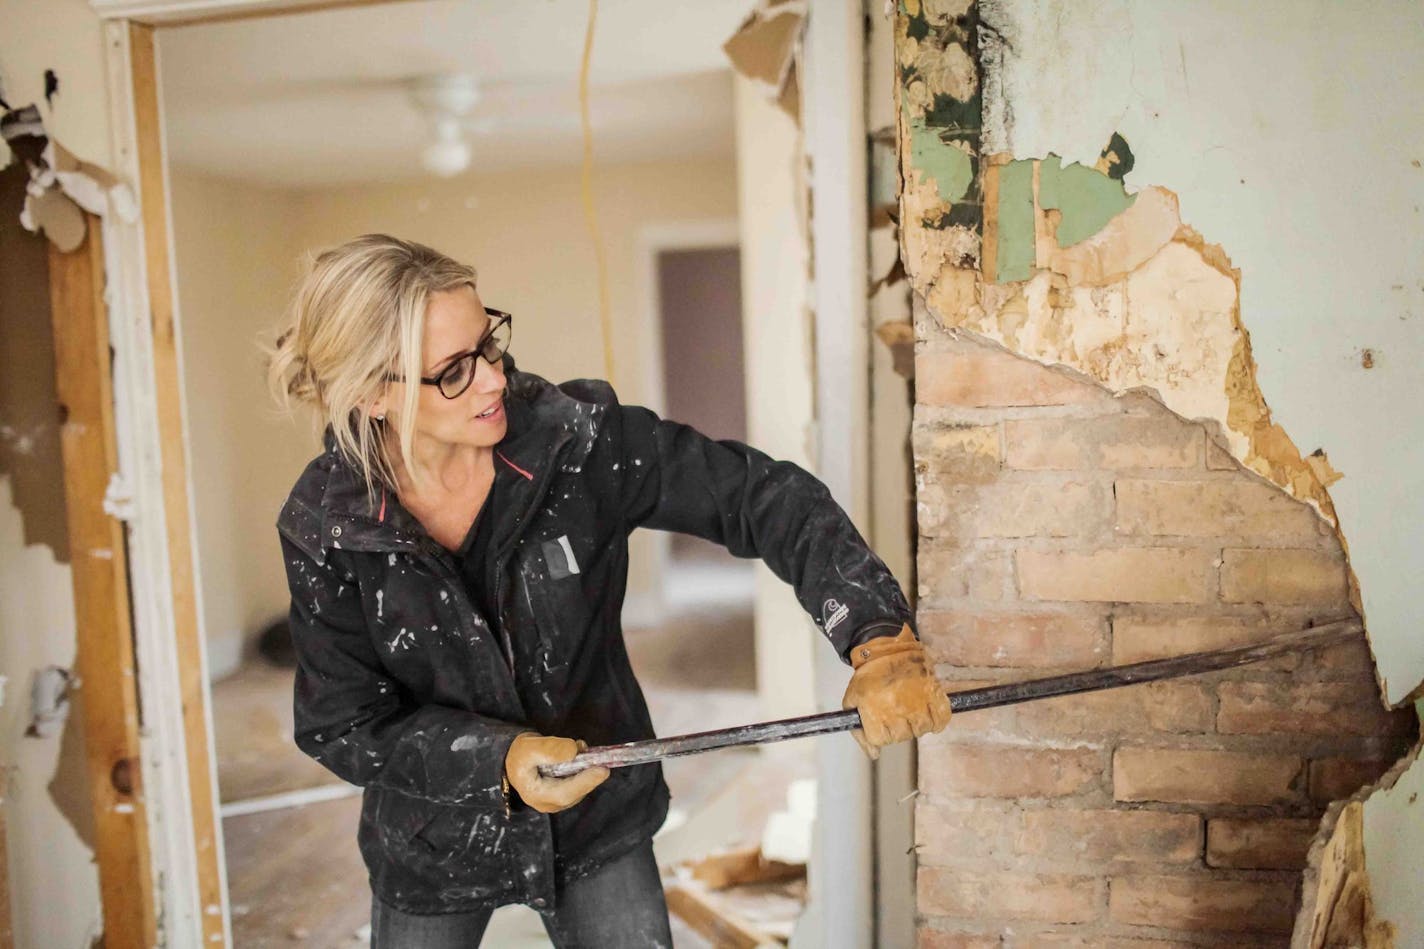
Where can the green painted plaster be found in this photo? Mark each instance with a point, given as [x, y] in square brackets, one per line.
[1015, 252]
[950, 168]
[1086, 198]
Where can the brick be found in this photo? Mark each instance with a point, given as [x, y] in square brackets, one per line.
[1348, 660]
[1041, 509]
[1045, 897]
[1128, 575]
[981, 377]
[1240, 509]
[1110, 836]
[1204, 903]
[1137, 640]
[949, 832]
[940, 939]
[1018, 640]
[1301, 708]
[988, 770]
[1112, 441]
[1219, 459]
[1333, 779]
[961, 453]
[1174, 707]
[1281, 576]
[988, 576]
[1194, 776]
[943, 571]
[1269, 844]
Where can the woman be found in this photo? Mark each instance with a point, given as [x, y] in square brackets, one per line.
[457, 557]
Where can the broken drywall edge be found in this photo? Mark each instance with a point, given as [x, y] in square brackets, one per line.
[1337, 901]
[766, 49]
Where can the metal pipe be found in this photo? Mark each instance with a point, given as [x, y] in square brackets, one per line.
[993, 696]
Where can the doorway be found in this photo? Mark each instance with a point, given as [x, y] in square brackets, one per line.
[322, 203]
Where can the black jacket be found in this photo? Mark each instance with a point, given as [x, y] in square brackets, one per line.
[404, 689]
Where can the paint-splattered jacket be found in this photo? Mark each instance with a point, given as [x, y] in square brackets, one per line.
[404, 689]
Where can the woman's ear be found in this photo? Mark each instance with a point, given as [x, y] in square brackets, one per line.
[377, 409]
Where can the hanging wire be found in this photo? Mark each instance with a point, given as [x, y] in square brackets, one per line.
[605, 316]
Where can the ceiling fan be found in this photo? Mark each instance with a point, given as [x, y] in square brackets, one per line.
[448, 100]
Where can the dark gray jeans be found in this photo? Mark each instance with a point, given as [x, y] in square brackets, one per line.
[620, 904]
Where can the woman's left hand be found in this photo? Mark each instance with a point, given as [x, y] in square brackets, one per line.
[895, 690]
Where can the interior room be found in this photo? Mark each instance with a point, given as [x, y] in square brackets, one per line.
[1073, 310]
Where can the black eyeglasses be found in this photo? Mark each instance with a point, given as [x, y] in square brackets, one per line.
[457, 375]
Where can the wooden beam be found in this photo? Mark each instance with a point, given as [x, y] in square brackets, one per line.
[723, 928]
[168, 389]
[105, 661]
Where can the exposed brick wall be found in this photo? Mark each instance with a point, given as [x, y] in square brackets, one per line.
[1062, 529]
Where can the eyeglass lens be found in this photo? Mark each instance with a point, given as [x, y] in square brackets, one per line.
[457, 378]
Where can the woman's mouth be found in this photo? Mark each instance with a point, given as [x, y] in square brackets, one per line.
[492, 413]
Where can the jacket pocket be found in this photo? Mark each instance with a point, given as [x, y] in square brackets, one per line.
[445, 843]
[561, 616]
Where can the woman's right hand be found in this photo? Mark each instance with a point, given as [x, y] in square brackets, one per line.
[548, 795]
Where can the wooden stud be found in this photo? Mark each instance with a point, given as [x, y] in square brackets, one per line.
[104, 663]
[168, 390]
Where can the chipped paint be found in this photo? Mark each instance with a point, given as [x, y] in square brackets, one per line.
[1086, 275]
[1086, 199]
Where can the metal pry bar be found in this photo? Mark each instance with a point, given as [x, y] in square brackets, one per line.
[993, 696]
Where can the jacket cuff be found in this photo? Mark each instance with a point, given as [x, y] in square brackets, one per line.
[873, 630]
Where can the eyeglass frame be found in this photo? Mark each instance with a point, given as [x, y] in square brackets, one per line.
[498, 318]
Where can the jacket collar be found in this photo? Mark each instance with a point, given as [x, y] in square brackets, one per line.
[548, 430]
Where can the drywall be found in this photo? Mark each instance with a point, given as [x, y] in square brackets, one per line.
[54, 885]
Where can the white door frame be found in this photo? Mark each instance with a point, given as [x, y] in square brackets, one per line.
[841, 910]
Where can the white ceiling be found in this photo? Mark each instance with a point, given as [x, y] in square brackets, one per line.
[318, 98]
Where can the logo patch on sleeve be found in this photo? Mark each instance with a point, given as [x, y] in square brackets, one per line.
[559, 556]
[833, 613]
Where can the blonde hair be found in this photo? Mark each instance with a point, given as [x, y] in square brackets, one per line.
[358, 314]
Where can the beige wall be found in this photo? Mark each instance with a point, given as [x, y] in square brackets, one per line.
[54, 887]
[238, 249]
[237, 260]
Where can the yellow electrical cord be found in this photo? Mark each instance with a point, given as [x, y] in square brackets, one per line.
[605, 316]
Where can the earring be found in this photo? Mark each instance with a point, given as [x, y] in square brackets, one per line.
[380, 418]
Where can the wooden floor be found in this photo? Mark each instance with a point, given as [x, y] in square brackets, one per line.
[295, 877]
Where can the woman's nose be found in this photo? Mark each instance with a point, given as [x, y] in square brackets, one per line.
[488, 377]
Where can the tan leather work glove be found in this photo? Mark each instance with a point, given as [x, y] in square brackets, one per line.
[548, 795]
[895, 690]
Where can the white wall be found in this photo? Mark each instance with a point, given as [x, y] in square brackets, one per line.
[776, 329]
[54, 885]
[1291, 133]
